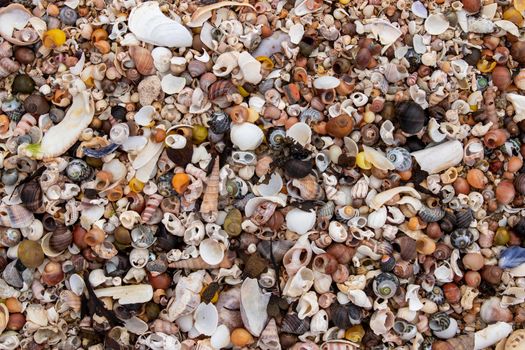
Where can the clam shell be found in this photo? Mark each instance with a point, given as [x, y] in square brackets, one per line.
[149, 24]
[211, 251]
[419, 9]
[301, 133]
[246, 136]
[15, 16]
[172, 85]
[206, 319]
[296, 33]
[436, 24]
[145, 115]
[254, 304]
[273, 187]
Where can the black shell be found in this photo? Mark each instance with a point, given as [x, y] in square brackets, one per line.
[297, 169]
[294, 325]
[78, 170]
[219, 122]
[436, 295]
[181, 157]
[461, 238]
[23, 83]
[411, 117]
[464, 217]
[448, 222]
[387, 263]
[344, 316]
[31, 195]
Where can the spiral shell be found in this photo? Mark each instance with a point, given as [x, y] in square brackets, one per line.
[31, 196]
[60, 239]
[436, 295]
[401, 158]
[219, 123]
[119, 133]
[461, 238]
[7, 67]
[385, 285]
[431, 214]
[152, 204]
[143, 60]
[25, 124]
[294, 325]
[464, 217]
[219, 91]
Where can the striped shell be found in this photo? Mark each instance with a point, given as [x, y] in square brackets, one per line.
[219, 91]
[327, 210]
[152, 204]
[464, 217]
[431, 214]
[310, 115]
[15, 216]
[294, 325]
[25, 124]
[401, 158]
[461, 238]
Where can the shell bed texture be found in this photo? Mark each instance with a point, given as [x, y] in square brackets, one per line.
[274, 174]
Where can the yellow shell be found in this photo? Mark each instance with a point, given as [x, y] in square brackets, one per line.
[514, 16]
[266, 62]
[361, 161]
[200, 133]
[355, 333]
[519, 5]
[243, 91]
[485, 66]
[344, 2]
[136, 185]
[252, 115]
[54, 38]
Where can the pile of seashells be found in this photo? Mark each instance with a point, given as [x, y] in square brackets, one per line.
[283, 174]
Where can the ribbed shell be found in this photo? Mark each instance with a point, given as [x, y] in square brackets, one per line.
[401, 158]
[431, 214]
[15, 216]
[209, 206]
[310, 115]
[294, 325]
[439, 321]
[464, 217]
[31, 195]
[327, 210]
[60, 239]
[152, 204]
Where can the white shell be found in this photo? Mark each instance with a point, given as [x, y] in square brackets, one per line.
[246, 136]
[273, 187]
[145, 115]
[221, 338]
[508, 26]
[307, 305]
[337, 231]
[225, 63]
[459, 68]
[377, 219]
[12, 17]
[252, 204]
[300, 221]
[161, 58]
[149, 24]
[387, 133]
[77, 284]
[449, 332]
[253, 306]
[419, 9]
[439, 158]
[299, 283]
[414, 304]
[436, 24]
[132, 294]
[326, 82]
[385, 31]
[301, 133]
[319, 322]
[359, 298]
[250, 68]
[211, 251]
[377, 158]
[518, 102]
[491, 334]
[172, 85]
[206, 319]
[296, 33]
[175, 141]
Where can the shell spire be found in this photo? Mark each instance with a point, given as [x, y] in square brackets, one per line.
[209, 207]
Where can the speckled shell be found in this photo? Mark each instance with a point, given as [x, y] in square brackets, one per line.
[219, 122]
[401, 158]
[385, 285]
[77, 170]
[461, 238]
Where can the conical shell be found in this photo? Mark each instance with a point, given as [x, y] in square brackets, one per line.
[269, 339]
[209, 206]
[15, 216]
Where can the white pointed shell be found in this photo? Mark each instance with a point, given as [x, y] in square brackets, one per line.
[300, 221]
[250, 68]
[326, 82]
[436, 24]
[254, 303]
[377, 219]
[206, 319]
[145, 115]
[518, 102]
[307, 305]
[377, 158]
[439, 158]
[149, 24]
[246, 136]
[211, 251]
[301, 133]
[172, 85]
[161, 58]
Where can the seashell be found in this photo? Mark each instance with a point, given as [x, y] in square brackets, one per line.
[211, 251]
[308, 188]
[300, 221]
[246, 136]
[277, 249]
[172, 85]
[250, 68]
[269, 338]
[297, 169]
[461, 238]
[512, 257]
[382, 321]
[143, 60]
[326, 83]
[31, 196]
[411, 117]
[15, 216]
[221, 337]
[339, 345]
[206, 319]
[253, 306]
[394, 73]
[219, 122]
[515, 340]
[400, 158]
[442, 325]
[294, 325]
[377, 158]
[377, 219]
[210, 198]
[439, 158]
[385, 285]
[491, 334]
[149, 89]
[491, 311]
[340, 126]
[149, 24]
[161, 58]
[16, 16]
[436, 24]
[431, 214]
[131, 294]
[299, 283]
[384, 30]
[78, 117]
[301, 133]
[405, 330]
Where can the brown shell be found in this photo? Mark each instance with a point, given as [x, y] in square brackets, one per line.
[196, 68]
[340, 126]
[61, 238]
[143, 60]
[406, 247]
[442, 251]
[505, 192]
[31, 196]
[219, 91]
[255, 265]
[519, 183]
[492, 274]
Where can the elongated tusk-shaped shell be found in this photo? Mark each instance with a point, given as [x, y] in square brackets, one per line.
[140, 293]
